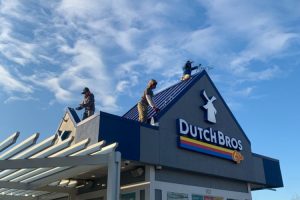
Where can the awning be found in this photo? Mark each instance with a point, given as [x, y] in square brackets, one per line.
[46, 170]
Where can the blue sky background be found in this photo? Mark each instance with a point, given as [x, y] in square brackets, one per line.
[50, 50]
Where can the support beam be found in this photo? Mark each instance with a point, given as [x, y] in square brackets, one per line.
[70, 173]
[8, 197]
[113, 176]
[100, 159]
[28, 186]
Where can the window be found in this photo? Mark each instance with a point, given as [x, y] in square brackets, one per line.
[177, 196]
[200, 197]
[212, 198]
[128, 196]
[197, 197]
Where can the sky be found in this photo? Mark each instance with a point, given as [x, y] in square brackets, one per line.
[50, 50]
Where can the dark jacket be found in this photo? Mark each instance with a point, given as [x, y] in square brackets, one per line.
[88, 103]
[187, 69]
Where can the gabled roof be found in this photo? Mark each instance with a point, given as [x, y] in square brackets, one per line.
[166, 98]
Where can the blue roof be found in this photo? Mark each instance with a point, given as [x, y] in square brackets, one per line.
[166, 98]
[73, 114]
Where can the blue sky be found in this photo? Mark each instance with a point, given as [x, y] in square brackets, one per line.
[50, 50]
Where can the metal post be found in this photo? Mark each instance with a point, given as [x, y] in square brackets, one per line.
[113, 176]
[150, 176]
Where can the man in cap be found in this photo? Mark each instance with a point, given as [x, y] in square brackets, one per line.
[187, 70]
[88, 103]
[146, 101]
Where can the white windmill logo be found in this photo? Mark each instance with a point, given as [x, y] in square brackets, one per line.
[210, 108]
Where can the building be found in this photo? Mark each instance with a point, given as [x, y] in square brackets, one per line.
[194, 150]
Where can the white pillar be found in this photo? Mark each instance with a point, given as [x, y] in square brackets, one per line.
[113, 176]
[249, 191]
[150, 177]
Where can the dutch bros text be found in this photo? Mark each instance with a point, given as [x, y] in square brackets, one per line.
[208, 135]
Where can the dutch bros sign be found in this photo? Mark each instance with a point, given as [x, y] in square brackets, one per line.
[207, 140]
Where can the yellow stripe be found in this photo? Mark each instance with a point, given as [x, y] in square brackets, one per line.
[205, 144]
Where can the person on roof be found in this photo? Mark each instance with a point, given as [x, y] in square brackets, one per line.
[187, 70]
[146, 101]
[88, 103]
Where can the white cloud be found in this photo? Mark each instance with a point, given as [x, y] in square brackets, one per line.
[248, 33]
[11, 83]
[122, 85]
[19, 98]
[12, 46]
[244, 92]
[73, 9]
[115, 46]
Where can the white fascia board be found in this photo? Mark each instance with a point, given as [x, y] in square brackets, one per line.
[3, 189]
[31, 193]
[9, 141]
[20, 147]
[29, 175]
[23, 192]
[10, 174]
[66, 152]
[29, 152]
[6, 172]
[44, 172]
[72, 149]
[38, 193]
[36, 148]
[47, 174]
[20, 192]
[54, 149]
[90, 149]
[9, 192]
[54, 183]
[107, 149]
[16, 174]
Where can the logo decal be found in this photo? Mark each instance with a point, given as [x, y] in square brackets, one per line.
[210, 108]
[208, 141]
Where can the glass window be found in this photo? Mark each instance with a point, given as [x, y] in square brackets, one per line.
[197, 197]
[177, 196]
[128, 196]
[213, 198]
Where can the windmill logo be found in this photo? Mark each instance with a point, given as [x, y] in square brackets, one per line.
[210, 108]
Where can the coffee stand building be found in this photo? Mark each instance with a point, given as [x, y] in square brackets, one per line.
[194, 150]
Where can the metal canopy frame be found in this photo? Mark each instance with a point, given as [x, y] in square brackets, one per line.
[45, 170]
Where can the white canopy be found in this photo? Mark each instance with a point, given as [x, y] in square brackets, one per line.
[46, 170]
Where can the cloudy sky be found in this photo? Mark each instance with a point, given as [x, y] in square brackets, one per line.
[50, 50]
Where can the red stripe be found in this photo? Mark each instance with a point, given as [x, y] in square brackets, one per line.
[204, 147]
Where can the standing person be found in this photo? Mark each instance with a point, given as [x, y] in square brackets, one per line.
[146, 101]
[187, 70]
[88, 103]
